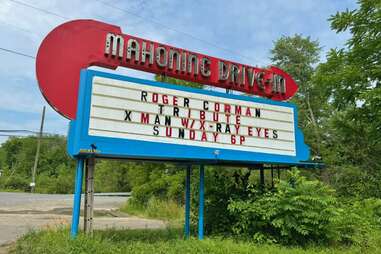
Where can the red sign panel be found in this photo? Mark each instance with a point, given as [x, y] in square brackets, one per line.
[79, 44]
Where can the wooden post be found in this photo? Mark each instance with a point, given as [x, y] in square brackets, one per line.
[187, 202]
[89, 196]
[262, 177]
[272, 176]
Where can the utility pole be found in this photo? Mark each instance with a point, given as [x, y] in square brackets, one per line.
[33, 183]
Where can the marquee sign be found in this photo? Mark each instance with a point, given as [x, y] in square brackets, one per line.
[126, 117]
[79, 44]
[115, 116]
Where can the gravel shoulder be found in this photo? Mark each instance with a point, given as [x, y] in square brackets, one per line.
[22, 212]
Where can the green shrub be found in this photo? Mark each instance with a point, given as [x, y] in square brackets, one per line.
[358, 220]
[370, 209]
[168, 241]
[166, 184]
[155, 208]
[221, 184]
[60, 183]
[163, 182]
[112, 176]
[15, 182]
[354, 181]
[297, 212]
[18, 182]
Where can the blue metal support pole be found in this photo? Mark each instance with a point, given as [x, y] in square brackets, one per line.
[187, 202]
[201, 205]
[77, 197]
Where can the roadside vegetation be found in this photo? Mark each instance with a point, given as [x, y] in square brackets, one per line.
[156, 209]
[55, 172]
[166, 241]
[335, 210]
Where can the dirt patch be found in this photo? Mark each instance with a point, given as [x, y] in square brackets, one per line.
[5, 248]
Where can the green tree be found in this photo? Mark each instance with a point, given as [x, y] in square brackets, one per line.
[18, 158]
[112, 176]
[299, 56]
[56, 170]
[351, 79]
[175, 81]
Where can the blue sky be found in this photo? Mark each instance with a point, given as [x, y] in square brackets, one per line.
[242, 31]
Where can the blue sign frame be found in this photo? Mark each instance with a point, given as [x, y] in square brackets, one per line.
[80, 144]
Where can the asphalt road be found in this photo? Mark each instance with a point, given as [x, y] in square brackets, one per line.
[22, 212]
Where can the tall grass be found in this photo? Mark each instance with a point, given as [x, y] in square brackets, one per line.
[155, 208]
[168, 241]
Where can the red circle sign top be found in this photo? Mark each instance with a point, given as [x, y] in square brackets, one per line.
[66, 50]
[78, 44]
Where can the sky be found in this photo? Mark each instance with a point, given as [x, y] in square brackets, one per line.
[241, 31]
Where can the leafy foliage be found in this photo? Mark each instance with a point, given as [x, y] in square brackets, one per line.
[364, 47]
[175, 81]
[168, 210]
[165, 182]
[299, 56]
[351, 79]
[339, 105]
[53, 168]
[298, 211]
[167, 241]
[112, 176]
[55, 171]
[221, 184]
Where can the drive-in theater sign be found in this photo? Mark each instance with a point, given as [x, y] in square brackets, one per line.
[115, 116]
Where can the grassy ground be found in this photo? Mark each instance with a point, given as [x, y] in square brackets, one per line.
[166, 241]
[10, 190]
[156, 209]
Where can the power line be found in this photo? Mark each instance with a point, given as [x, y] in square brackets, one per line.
[18, 131]
[37, 8]
[11, 135]
[26, 131]
[144, 19]
[174, 30]
[45, 11]
[17, 27]
[30, 136]
[17, 53]
[44, 134]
